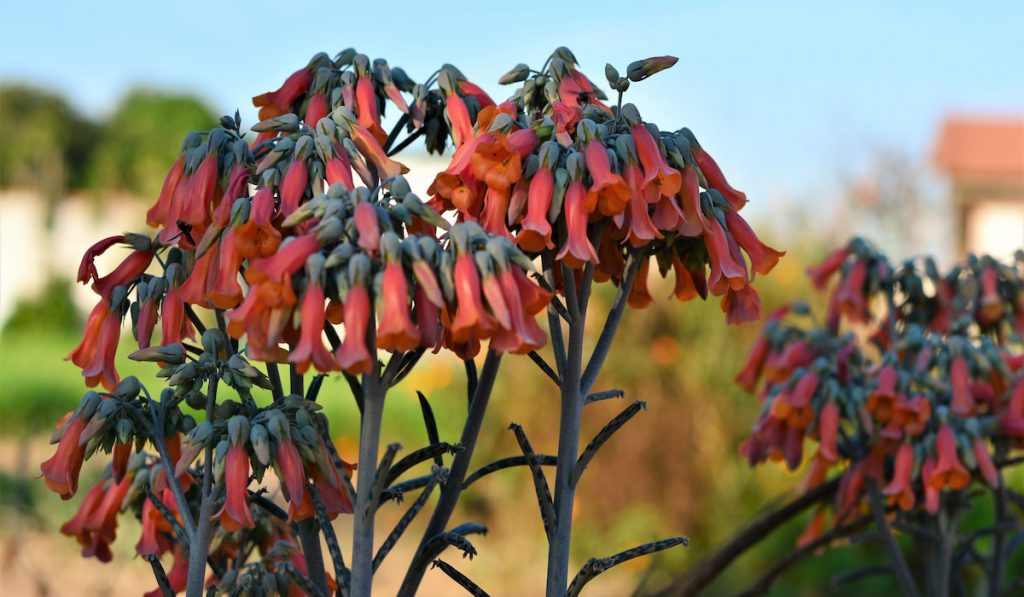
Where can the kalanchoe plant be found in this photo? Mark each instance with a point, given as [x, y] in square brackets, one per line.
[912, 394]
[305, 247]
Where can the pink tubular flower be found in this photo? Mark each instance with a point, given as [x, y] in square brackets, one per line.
[129, 269]
[962, 403]
[223, 290]
[257, 236]
[60, 472]
[470, 317]
[315, 109]
[339, 169]
[370, 147]
[288, 260]
[656, 169]
[366, 107]
[849, 297]
[87, 268]
[294, 87]
[726, 271]
[428, 319]
[367, 228]
[535, 234]
[899, 488]
[293, 186]
[715, 178]
[352, 355]
[310, 349]
[577, 249]
[396, 331]
[828, 431]
[160, 214]
[820, 274]
[762, 257]
[100, 367]
[985, 465]
[174, 327]
[235, 514]
[238, 186]
[458, 115]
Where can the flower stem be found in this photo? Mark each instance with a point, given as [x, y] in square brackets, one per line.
[460, 465]
[199, 546]
[369, 443]
[568, 436]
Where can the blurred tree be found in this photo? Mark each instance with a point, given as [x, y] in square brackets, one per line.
[142, 138]
[51, 312]
[46, 144]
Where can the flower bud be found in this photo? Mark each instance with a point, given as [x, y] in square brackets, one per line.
[641, 69]
[517, 74]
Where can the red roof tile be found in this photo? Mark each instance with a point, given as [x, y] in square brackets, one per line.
[981, 146]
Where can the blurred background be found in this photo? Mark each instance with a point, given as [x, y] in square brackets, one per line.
[902, 123]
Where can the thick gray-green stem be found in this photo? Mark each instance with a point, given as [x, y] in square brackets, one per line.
[365, 508]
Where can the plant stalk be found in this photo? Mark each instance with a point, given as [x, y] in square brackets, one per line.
[365, 509]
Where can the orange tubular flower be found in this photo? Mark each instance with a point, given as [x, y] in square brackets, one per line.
[990, 306]
[689, 285]
[814, 529]
[352, 355]
[193, 291]
[639, 296]
[962, 402]
[949, 472]
[985, 465]
[235, 514]
[525, 334]
[87, 267]
[656, 169]
[367, 228]
[99, 528]
[428, 319]
[762, 257]
[396, 331]
[899, 488]
[713, 174]
[83, 353]
[912, 414]
[60, 472]
[119, 463]
[310, 350]
[882, 402]
[201, 192]
[238, 186]
[608, 191]
[748, 376]
[577, 249]
[258, 237]
[370, 147]
[849, 296]
[366, 108]
[495, 211]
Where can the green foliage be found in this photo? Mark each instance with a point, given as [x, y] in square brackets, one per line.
[52, 311]
[141, 140]
[46, 144]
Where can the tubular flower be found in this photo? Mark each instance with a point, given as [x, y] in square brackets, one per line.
[641, 229]
[458, 116]
[608, 190]
[60, 472]
[194, 289]
[692, 223]
[288, 260]
[87, 267]
[129, 269]
[828, 430]
[849, 297]
[76, 526]
[883, 401]
[370, 147]
[367, 228]
[367, 108]
[160, 214]
[821, 273]
[639, 296]
[238, 186]
[470, 316]
[525, 334]
[656, 169]
[741, 306]
[912, 414]
[100, 366]
[535, 234]
[689, 284]
[339, 170]
[709, 168]
[899, 488]
[428, 319]
[235, 514]
[352, 355]
[762, 257]
[281, 100]
[577, 249]
[990, 305]
[173, 324]
[396, 331]
[289, 467]
[223, 290]
[310, 349]
[751, 372]
[293, 186]
[985, 465]
[257, 236]
[726, 272]
[949, 472]
[962, 403]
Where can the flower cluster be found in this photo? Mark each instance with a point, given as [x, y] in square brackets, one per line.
[556, 169]
[915, 382]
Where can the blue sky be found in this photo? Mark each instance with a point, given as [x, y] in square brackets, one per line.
[784, 94]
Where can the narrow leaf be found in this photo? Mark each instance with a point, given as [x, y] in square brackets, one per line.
[603, 436]
[596, 566]
[540, 483]
[460, 579]
[497, 465]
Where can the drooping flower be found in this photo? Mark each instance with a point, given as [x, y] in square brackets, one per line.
[395, 331]
[470, 316]
[883, 400]
[235, 514]
[949, 472]
[577, 248]
[985, 465]
[828, 431]
[310, 349]
[962, 403]
[353, 356]
[762, 257]
[60, 472]
[899, 488]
